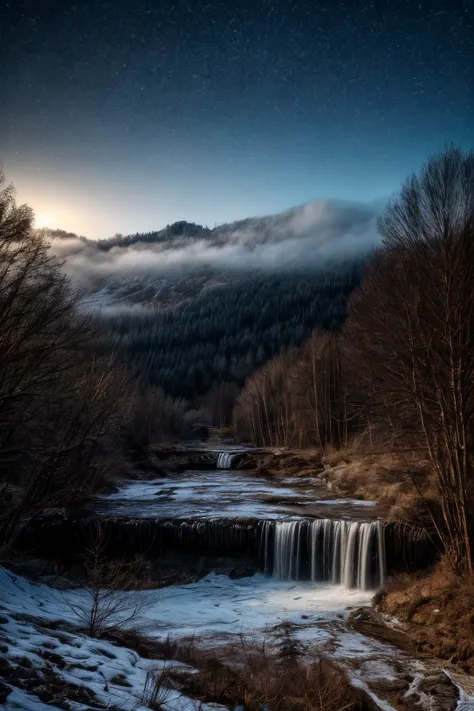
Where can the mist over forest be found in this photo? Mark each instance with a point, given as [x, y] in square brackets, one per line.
[190, 306]
[303, 238]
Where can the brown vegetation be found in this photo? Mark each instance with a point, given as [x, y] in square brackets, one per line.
[261, 676]
[386, 477]
[399, 378]
[437, 610]
[409, 336]
[296, 399]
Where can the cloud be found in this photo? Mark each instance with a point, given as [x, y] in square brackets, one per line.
[304, 237]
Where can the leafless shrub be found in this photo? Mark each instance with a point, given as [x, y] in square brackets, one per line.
[109, 598]
[273, 676]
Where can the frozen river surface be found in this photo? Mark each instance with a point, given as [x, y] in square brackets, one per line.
[231, 494]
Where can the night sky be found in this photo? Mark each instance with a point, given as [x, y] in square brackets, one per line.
[124, 115]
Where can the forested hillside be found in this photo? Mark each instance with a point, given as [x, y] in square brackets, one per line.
[227, 331]
[188, 307]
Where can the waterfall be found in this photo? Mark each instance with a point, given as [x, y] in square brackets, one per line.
[287, 551]
[266, 549]
[224, 460]
[350, 553]
[354, 554]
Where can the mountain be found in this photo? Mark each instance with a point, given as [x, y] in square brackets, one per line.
[320, 221]
[189, 306]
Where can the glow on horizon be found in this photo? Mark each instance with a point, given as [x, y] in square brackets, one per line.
[43, 219]
[127, 208]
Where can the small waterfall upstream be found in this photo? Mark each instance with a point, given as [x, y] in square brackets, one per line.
[224, 460]
[351, 553]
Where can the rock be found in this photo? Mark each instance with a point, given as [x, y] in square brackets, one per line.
[241, 572]
[246, 463]
[371, 623]
[5, 692]
[381, 685]
[432, 691]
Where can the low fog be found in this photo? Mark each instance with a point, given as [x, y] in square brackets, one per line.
[306, 237]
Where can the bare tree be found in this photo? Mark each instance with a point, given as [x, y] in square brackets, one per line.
[220, 401]
[297, 399]
[410, 334]
[154, 416]
[263, 410]
[109, 598]
[319, 401]
[60, 406]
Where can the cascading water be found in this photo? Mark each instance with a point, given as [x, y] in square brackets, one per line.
[341, 552]
[224, 460]
[350, 553]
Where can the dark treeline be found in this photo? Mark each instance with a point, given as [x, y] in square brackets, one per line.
[297, 399]
[70, 417]
[226, 332]
[61, 407]
[401, 369]
[179, 230]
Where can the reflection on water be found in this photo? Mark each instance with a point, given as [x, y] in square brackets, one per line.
[230, 494]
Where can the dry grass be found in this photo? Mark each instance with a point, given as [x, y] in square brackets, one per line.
[289, 462]
[393, 478]
[219, 433]
[272, 674]
[144, 646]
[438, 609]
[357, 445]
[158, 690]
[279, 686]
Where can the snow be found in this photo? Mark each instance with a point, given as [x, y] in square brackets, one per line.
[204, 494]
[214, 604]
[214, 610]
[357, 683]
[343, 502]
[19, 700]
[219, 605]
[29, 608]
[465, 690]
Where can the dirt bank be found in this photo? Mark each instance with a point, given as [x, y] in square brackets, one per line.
[436, 610]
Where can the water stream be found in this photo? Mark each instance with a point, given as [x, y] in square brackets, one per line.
[315, 555]
[295, 526]
[225, 493]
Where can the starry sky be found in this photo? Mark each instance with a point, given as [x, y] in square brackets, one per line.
[125, 115]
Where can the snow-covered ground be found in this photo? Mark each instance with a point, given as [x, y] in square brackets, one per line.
[216, 606]
[214, 610]
[29, 635]
[219, 606]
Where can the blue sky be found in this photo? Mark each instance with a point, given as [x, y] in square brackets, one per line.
[123, 117]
